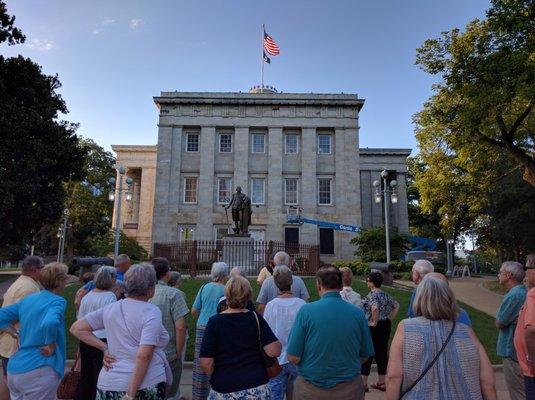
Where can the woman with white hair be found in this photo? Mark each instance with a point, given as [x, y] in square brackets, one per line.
[204, 306]
[434, 357]
[91, 357]
[135, 365]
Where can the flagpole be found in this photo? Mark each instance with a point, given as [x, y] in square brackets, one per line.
[262, 57]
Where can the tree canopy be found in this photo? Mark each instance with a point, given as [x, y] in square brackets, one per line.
[8, 32]
[484, 101]
[39, 152]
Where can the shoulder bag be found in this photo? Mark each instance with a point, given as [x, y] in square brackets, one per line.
[426, 370]
[68, 384]
[271, 364]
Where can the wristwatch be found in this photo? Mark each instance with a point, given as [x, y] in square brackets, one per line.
[127, 397]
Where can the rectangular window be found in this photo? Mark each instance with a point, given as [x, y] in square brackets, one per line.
[190, 190]
[225, 143]
[193, 143]
[224, 190]
[324, 191]
[186, 233]
[290, 191]
[326, 241]
[257, 190]
[324, 144]
[291, 143]
[258, 143]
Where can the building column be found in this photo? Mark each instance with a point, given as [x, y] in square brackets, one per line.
[241, 159]
[308, 195]
[349, 192]
[163, 228]
[146, 205]
[205, 188]
[174, 177]
[275, 227]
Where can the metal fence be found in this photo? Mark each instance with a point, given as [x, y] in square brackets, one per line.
[195, 257]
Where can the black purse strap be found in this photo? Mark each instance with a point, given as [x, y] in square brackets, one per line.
[426, 370]
[258, 326]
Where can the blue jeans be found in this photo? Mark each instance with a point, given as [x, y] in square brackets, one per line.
[529, 382]
[282, 381]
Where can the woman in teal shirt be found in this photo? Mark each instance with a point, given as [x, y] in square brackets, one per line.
[204, 306]
[35, 370]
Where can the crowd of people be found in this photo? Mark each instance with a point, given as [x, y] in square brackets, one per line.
[132, 331]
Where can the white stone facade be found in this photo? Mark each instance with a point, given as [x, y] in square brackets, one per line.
[282, 149]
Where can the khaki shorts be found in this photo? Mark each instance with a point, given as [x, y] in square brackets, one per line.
[352, 390]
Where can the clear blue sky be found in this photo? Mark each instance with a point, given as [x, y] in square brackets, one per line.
[113, 56]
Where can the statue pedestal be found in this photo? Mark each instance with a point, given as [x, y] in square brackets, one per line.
[238, 251]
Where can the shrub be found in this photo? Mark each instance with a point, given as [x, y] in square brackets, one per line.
[358, 267]
[371, 244]
[402, 266]
[105, 244]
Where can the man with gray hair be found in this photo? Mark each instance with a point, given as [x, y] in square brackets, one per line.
[26, 284]
[269, 289]
[420, 269]
[510, 276]
[173, 306]
[122, 263]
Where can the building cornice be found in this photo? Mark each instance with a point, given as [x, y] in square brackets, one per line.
[134, 148]
[390, 152]
[273, 99]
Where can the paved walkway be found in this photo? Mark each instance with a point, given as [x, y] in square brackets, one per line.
[471, 292]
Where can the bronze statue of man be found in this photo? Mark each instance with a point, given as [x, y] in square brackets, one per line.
[241, 211]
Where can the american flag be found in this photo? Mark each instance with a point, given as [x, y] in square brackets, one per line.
[270, 46]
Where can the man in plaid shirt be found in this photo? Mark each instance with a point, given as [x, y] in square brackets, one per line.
[172, 304]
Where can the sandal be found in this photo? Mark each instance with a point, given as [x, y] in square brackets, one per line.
[379, 386]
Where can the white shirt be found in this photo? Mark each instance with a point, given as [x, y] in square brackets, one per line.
[144, 327]
[280, 315]
[92, 302]
[349, 295]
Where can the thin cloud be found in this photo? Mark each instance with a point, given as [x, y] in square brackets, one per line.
[135, 23]
[103, 25]
[41, 44]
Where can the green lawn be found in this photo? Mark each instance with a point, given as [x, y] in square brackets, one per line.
[483, 324]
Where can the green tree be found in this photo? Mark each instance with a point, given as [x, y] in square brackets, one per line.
[90, 211]
[371, 244]
[425, 224]
[38, 152]
[508, 222]
[485, 98]
[105, 244]
[8, 32]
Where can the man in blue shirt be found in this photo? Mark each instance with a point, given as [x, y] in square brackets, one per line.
[329, 340]
[463, 317]
[420, 269]
[511, 276]
[122, 263]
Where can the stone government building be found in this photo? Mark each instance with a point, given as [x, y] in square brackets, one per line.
[283, 149]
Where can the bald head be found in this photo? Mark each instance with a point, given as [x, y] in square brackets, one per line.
[420, 269]
[436, 275]
[281, 258]
[237, 271]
